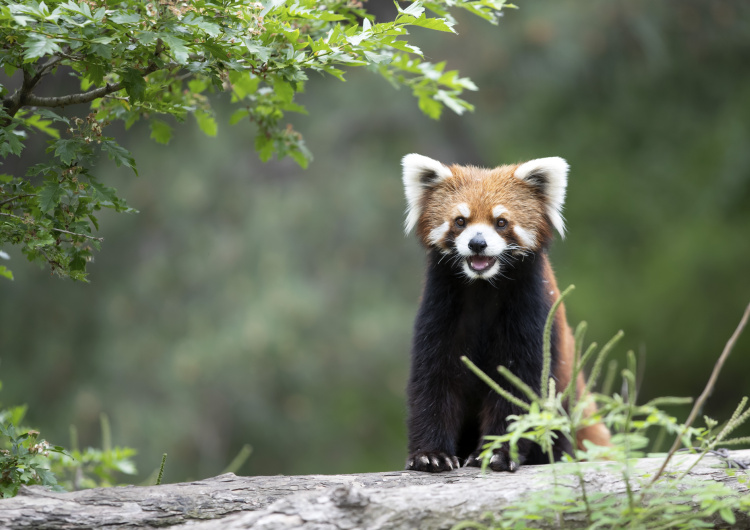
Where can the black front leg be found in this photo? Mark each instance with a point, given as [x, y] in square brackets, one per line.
[495, 411]
[494, 423]
[435, 416]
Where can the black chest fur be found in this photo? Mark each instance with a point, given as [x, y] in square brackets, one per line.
[498, 323]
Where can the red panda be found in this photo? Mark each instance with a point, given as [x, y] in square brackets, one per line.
[488, 290]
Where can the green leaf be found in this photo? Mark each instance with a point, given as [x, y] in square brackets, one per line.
[452, 102]
[301, 158]
[134, 83]
[438, 24]
[378, 58]
[161, 131]
[46, 476]
[264, 146]
[238, 116]
[5, 272]
[197, 85]
[243, 84]
[49, 196]
[727, 515]
[43, 125]
[414, 10]
[104, 192]
[10, 143]
[270, 5]
[261, 52]
[177, 45]
[206, 122]
[78, 263]
[284, 90]
[46, 113]
[119, 154]
[37, 46]
[67, 150]
[429, 106]
[124, 18]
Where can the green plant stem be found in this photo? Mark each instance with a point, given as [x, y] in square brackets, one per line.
[547, 348]
[106, 432]
[161, 469]
[238, 461]
[706, 392]
[582, 483]
[597, 368]
[497, 388]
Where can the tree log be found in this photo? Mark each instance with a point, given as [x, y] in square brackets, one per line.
[397, 499]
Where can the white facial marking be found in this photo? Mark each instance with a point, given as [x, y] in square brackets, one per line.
[495, 244]
[415, 167]
[436, 235]
[527, 238]
[498, 210]
[464, 209]
[553, 172]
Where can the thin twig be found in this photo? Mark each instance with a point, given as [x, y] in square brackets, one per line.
[6, 201]
[77, 234]
[706, 391]
[100, 239]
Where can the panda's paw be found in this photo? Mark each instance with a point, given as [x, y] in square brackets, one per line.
[432, 461]
[499, 461]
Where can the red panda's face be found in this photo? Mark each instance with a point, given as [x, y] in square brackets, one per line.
[484, 218]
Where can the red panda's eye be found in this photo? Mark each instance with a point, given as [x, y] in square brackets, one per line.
[460, 221]
[501, 223]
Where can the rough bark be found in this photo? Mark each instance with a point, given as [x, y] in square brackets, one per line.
[397, 499]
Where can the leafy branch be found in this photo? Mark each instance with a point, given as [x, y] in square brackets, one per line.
[162, 62]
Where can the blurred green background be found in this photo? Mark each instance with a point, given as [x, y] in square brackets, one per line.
[263, 304]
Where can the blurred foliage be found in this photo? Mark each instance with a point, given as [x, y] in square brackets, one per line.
[134, 60]
[77, 469]
[25, 459]
[257, 303]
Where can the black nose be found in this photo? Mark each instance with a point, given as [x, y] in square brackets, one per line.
[477, 243]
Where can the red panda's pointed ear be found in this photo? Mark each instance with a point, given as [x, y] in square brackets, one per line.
[420, 174]
[550, 176]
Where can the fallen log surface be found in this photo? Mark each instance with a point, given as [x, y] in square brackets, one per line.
[396, 499]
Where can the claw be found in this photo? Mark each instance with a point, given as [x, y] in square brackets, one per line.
[432, 461]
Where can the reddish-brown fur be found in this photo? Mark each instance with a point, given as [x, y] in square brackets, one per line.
[482, 189]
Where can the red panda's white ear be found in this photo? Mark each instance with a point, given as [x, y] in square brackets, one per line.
[420, 174]
[550, 176]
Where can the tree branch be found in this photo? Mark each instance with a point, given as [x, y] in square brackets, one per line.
[23, 97]
[60, 230]
[388, 500]
[6, 201]
[72, 99]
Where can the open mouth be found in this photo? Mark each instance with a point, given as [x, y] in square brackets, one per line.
[480, 264]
